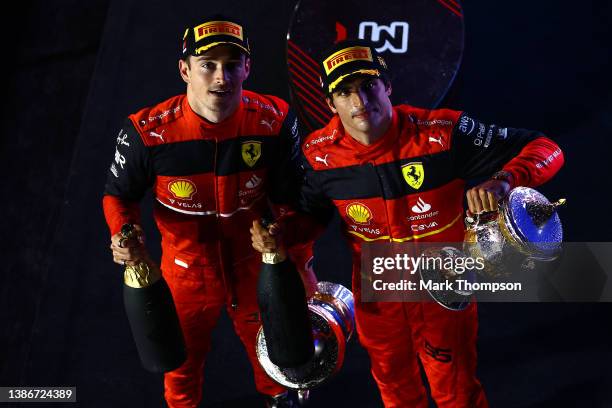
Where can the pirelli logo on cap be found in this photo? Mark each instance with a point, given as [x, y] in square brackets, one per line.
[346, 55]
[218, 28]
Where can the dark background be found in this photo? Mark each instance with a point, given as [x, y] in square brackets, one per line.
[74, 69]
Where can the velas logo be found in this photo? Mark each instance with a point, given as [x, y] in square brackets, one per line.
[218, 28]
[182, 189]
[359, 213]
[345, 55]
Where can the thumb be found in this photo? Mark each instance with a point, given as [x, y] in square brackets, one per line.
[257, 227]
[275, 229]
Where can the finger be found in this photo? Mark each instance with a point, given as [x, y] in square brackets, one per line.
[274, 229]
[476, 201]
[127, 251]
[135, 255]
[482, 195]
[120, 261]
[470, 201]
[139, 236]
[257, 239]
[258, 227]
[125, 243]
[256, 236]
[120, 252]
[115, 239]
[135, 252]
[492, 201]
[258, 245]
[270, 246]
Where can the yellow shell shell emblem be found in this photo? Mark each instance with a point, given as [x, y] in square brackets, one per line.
[359, 213]
[414, 174]
[182, 189]
[251, 152]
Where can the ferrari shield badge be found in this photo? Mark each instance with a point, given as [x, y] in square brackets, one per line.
[251, 152]
[414, 174]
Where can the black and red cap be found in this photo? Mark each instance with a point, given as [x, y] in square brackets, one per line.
[213, 31]
[348, 58]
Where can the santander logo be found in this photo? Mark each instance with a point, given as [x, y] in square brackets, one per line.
[421, 206]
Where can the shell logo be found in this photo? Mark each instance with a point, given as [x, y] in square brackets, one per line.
[359, 213]
[182, 189]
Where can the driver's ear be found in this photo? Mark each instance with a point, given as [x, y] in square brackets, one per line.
[388, 88]
[247, 66]
[183, 66]
[330, 104]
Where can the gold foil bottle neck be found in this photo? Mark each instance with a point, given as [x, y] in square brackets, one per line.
[141, 275]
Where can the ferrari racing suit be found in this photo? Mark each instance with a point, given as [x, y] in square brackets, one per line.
[209, 181]
[409, 186]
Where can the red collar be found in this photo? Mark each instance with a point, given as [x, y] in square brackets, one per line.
[383, 144]
[222, 129]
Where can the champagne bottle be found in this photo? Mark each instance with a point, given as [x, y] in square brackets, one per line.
[284, 312]
[152, 314]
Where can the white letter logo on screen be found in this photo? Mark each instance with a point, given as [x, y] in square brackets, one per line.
[397, 31]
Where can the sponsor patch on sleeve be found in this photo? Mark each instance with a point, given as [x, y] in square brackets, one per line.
[480, 134]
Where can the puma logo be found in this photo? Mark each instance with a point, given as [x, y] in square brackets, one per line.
[160, 135]
[322, 160]
[268, 124]
[434, 140]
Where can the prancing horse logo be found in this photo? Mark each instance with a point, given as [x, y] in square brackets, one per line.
[414, 174]
[251, 152]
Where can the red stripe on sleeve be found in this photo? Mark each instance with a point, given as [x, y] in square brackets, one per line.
[118, 212]
[537, 163]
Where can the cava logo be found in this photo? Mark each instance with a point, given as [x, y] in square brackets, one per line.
[422, 227]
[182, 189]
[359, 213]
[414, 174]
[251, 152]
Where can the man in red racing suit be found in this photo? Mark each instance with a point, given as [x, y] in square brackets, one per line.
[213, 158]
[396, 174]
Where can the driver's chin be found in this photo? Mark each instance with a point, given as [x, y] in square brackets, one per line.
[362, 125]
[218, 105]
